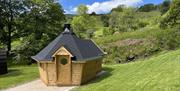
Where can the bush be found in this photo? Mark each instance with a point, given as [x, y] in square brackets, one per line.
[107, 31]
[169, 39]
[142, 24]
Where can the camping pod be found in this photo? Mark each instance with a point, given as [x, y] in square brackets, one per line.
[69, 60]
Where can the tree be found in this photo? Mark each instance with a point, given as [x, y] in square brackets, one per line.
[1, 15]
[40, 23]
[105, 20]
[147, 8]
[10, 11]
[172, 17]
[118, 8]
[164, 7]
[81, 24]
[84, 22]
[82, 9]
[2, 25]
[41, 18]
[93, 14]
[124, 21]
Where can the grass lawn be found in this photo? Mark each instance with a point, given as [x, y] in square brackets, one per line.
[159, 73]
[18, 75]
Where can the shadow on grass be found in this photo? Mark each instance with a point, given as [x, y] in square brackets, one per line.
[12, 73]
[102, 77]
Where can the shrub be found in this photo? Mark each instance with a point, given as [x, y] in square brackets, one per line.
[107, 31]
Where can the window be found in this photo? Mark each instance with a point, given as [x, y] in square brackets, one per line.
[63, 61]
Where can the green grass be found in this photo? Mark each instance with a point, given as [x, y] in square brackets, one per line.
[158, 73]
[98, 33]
[18, 75]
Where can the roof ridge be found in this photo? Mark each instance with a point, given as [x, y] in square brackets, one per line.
[75, 42]
[58, 38]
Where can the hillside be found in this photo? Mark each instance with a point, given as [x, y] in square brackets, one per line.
[138, 44]
[159, 73]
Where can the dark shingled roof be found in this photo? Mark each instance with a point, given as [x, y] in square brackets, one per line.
[79, 48]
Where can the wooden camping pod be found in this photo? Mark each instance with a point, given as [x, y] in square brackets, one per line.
[71, 73]
[69, 60]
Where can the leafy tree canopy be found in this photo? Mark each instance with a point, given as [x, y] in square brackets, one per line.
[147, 8]
[84, 22]
[33, 22]
[164, 7]
[172, 17]
[82, 9]
[118, 8]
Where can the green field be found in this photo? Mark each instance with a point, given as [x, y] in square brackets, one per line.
[159, 73]
[18, 75]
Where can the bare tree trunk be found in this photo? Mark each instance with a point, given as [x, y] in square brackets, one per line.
[10, 28]
[9, 38]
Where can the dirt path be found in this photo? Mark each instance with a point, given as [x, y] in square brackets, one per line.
[37, 85]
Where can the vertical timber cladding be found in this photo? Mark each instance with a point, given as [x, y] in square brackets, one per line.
[51, 73]
[90, 69]
[43, 72]
[77, 69]
[63, 70]
[47, 72]
[99, 65]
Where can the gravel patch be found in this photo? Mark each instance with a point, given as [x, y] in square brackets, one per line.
[37, 85]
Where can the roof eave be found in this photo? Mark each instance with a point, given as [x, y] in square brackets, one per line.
[37, 60]
[33, 57]
[104, 53]
[87, 59]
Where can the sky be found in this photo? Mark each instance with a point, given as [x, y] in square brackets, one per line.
[101, 6]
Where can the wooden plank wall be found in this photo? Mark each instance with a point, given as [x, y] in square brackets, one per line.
[43, 72]
[77, 73]
[90, 69]
[51, 72]
[81, 72]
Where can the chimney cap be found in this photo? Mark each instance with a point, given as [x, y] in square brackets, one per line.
[67, 29]
[68, 26]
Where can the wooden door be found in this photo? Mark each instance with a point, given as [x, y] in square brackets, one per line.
[63, 70]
